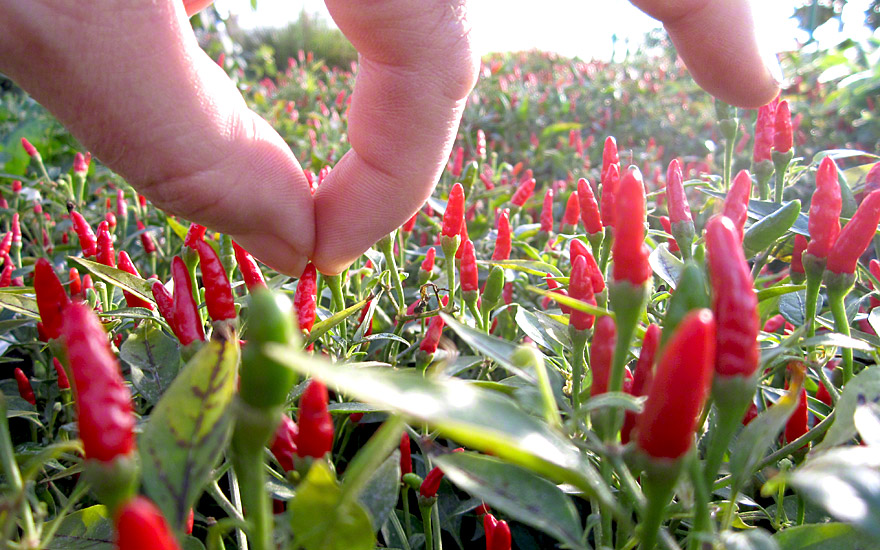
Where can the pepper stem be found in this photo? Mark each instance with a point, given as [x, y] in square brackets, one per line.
[628, 301]
[579, 346]
[837, 297]
[253, 428]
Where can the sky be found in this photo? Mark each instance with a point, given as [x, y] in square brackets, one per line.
[570, 27]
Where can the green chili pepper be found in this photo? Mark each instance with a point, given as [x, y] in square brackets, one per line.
[690, 293]
[765, 231]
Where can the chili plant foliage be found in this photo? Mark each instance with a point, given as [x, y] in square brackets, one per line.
[580, 377]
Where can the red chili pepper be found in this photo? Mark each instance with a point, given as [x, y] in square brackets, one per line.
[468, 269]
[432, 335]
[405, 455]
[602, 354]
[146, 239]
[283, 445]
[16, 230]
[580, 288]
[782, 138]
[87, 240]
[29, 149]
[610, 157]
[6, 244]
[572, 211]
[553, 285]
[667, 226]
[798, 422]
[463, 234]
[734, 301]
[547, 212]
[523, 192]
[305, 299]
[765, 128]
[677, 203]
[589, 207]
[110, 218]
[125, 264]
[218, 292]
[824, 221]
[641, 381]
[736, 205]
[504, 240]
[610, 183]
[141, 526]
[428, 262]
[250, 271]
[63, 381]
[774, 323]
[630, 257]
[121, 205]
[679, 389]
[181, 311]
[577, 248]
[410, 223]
[497, 533]
[194, 234]
[457, 162]
[24, 387]
[6, 276]
[16, 186]
[855, 237]
[51, 298]
[104, 249]
[453, 216]
[106, 422]
[315, 437]
[431, 483]
[797, 255]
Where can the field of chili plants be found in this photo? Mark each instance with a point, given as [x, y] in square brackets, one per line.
[629, 317]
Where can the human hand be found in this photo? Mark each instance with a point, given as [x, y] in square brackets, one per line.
[129, 80]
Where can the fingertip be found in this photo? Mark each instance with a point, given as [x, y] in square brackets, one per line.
[718, 43]
[194, 6]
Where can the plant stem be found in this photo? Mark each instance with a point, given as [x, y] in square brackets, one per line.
[13, 476]
[702, 522]
[426, 525]
[814, 284]
[579, 346]
[841, 325]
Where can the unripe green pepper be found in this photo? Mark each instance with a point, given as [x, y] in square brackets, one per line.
[265, 383]
[492, 290]
[690, 293]
[764, 232]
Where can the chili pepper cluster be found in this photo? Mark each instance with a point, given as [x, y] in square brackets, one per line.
[645, 302]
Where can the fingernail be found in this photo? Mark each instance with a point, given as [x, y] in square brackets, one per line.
[773, 66]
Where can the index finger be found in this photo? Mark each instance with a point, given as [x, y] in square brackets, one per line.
[717, 41]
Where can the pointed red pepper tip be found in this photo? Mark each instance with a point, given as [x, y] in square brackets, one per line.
[195, 233]
[140, 524]
[679, 389]
[24, 387]
[63, 381]
[453, 216]
[315, 436]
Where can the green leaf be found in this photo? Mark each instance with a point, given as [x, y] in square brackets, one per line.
[494, 348]
[867, 421]
[12, 324]
[792, 307]
[759, 209]
[20, 304]
[846, 483]
[379, 496]
[321, 327]
[116, 277]
[560, 127]
[188, 430]
[154, 360]
[543, 329]
[87, 529]
[477, 418]
[779, 290]
[517, 492]
[571, 302]
[322, 521]
[665, 264]
[866, 386]
[825, 536]
[527, 266]
[754, 440]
